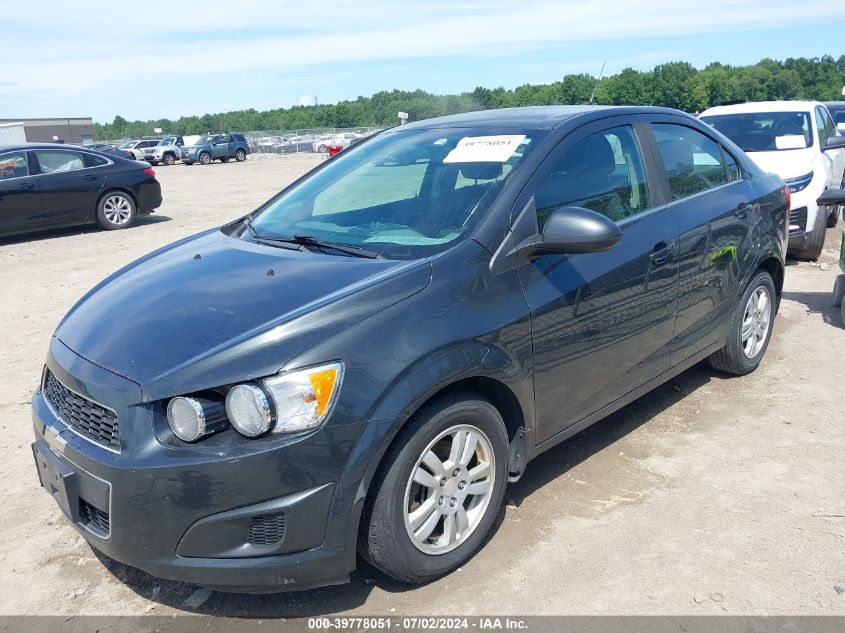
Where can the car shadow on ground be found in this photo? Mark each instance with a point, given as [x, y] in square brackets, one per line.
[818, 303]
[328, 600]
[77, 230]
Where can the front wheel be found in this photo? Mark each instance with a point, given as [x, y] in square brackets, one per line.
[116, 210]
[751, 328]
[833, 217]
[437, 491]
[169, 159]
[205, 158]
[240, 156]
[814, 243]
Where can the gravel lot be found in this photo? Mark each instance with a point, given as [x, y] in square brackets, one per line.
[711, 495]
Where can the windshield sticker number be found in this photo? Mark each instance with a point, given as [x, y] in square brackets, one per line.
[790, 141]
[485, 149]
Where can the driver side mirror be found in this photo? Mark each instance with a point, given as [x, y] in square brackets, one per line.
[568, 230]
[577, 230]
[834, 142]
[831, 196]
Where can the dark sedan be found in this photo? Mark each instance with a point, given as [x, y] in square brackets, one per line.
[51, 186]
[365, 362]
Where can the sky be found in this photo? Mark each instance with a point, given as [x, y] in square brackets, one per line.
[164, 59]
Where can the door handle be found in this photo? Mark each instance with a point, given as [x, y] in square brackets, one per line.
[27, 186]
[89, 178]
[742, 210]
[662, 253]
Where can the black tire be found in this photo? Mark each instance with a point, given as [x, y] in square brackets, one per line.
[383, 537]
[814, 243]
[116, 210]
[322, 149]
[842, 314]
[732, 359]
[838, 290]
[205, 158]
[240, 156]
[224, 160]
[169, 159]
[833, 217]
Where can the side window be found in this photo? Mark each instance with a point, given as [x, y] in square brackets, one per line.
[731, 165]
[54, 161]
[92, 160]
[693, 161]
[13, 165]
[823, 131]
[224, 138]
[603, 172]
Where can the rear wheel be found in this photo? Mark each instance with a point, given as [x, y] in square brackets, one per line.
[115, 210]
[240, 156]
[205, 158]
[751, 328]
[437, 491]
[814, 243]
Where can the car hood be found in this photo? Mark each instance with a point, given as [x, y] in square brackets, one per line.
[785, 163]
[212, 309]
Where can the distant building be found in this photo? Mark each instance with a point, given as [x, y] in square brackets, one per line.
[308, 100]
[12, 133]
[74, 131]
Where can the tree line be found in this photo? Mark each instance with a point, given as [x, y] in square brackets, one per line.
[675, 84]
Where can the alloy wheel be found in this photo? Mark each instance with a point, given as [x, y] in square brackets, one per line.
[449, 489]
[756, 321]
[117, 209]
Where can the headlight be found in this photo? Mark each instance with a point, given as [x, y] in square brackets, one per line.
[249, 410]
[193, 418]
[290, 402]
[799, 184]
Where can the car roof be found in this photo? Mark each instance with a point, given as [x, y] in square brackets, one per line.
[532, 117]
[762, 106]
[25, 146]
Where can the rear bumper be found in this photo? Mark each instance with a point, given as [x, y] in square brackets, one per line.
[248, 520]
[149, 197]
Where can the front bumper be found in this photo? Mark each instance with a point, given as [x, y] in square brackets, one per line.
[252, 520]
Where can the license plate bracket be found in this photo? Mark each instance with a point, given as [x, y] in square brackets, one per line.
[59, 480]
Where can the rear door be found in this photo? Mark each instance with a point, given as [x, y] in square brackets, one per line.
[20, 204]
[601, 322]
[712, 205]
[69, 186]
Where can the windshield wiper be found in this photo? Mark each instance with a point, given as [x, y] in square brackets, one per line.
[310, 240]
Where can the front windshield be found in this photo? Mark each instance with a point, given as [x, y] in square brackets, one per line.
[403, 194]
[128, 145]
[765, 131]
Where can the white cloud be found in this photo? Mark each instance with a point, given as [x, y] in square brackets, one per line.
[114, 42]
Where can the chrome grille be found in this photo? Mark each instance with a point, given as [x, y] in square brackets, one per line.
[91, 420]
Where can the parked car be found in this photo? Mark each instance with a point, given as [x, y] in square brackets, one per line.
[108, 148]
[365, 361]
[50, 186]
[220, 147]
[346, 139]
[837, 111]
[798, 141]
[166, 151]
[137, 147]
[294, 147]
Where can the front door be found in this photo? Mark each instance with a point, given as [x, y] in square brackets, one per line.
[20, 204]
[220, 146]
[601, 322]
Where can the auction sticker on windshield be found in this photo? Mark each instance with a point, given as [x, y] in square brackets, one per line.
[484, 149]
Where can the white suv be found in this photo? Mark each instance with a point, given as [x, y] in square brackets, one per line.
[798, 141]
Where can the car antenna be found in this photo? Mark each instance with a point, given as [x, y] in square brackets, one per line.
[601, 73]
